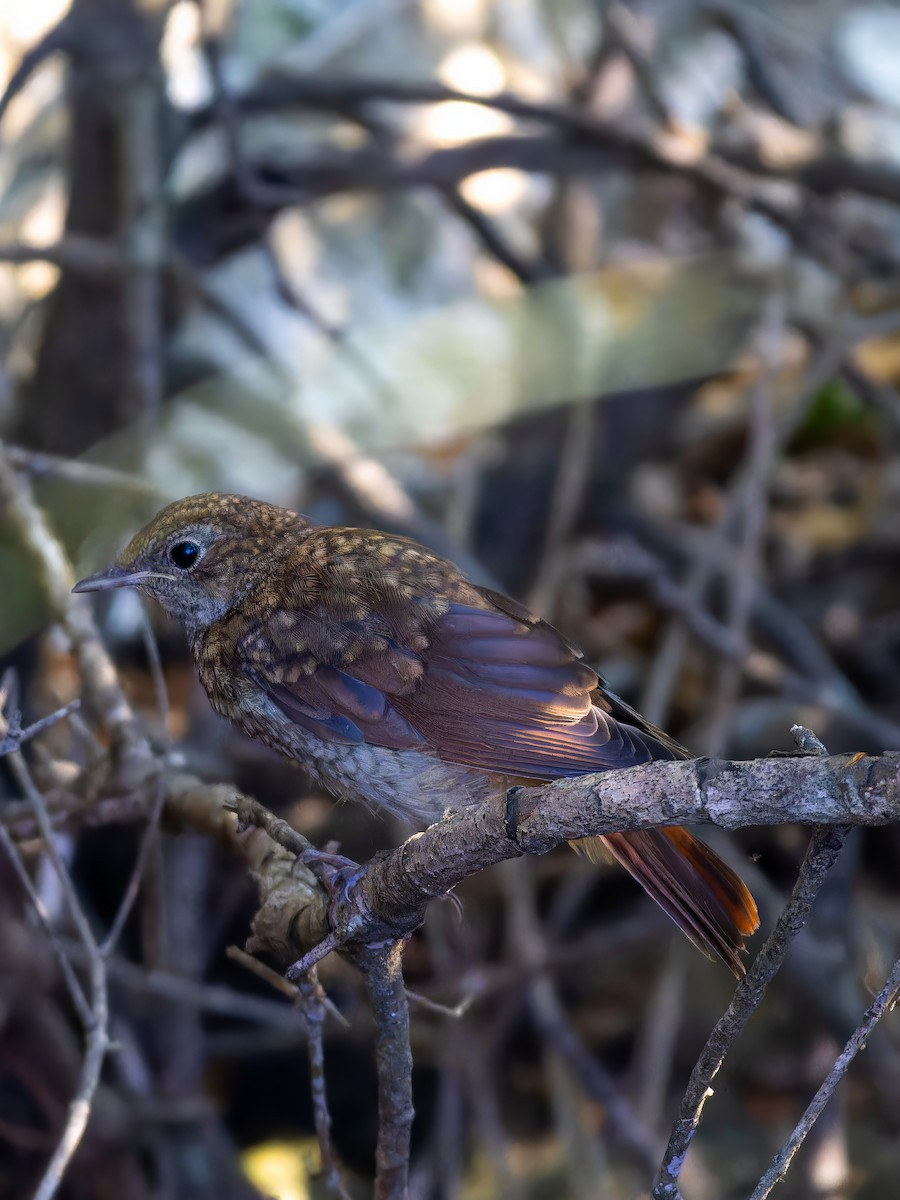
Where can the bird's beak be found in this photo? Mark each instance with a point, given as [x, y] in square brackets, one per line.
[115, 577]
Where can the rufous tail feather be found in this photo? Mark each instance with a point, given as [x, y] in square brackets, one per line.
[703, 896]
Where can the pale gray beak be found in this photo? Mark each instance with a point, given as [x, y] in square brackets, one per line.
[115, 577]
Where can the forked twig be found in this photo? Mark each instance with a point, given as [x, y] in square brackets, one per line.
[883, 1002]
[824, 847]
[311, 1002]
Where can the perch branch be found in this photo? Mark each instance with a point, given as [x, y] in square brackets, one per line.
[390, 896]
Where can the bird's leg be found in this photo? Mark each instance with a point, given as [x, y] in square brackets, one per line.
[337, 875]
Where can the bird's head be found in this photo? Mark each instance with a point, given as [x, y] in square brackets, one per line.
[199, 556]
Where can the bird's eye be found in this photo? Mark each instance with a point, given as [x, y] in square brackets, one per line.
[183, 555]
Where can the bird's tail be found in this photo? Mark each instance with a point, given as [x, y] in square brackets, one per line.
[703, 896]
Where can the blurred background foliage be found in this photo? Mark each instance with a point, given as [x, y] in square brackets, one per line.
[601, 300]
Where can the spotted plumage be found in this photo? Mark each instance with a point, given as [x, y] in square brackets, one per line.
[397, 682]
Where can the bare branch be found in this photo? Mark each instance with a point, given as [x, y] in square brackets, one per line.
[130, 895]
[75, 989]
[92, 257]
[57, 38]
[149, 836]
[37, 465]
[103, 689]
[312, 1004]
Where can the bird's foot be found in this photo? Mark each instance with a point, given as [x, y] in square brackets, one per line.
[337, 875]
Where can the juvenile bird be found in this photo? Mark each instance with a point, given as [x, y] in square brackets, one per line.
[394, 681]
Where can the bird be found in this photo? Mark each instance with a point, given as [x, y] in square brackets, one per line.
[395, 681]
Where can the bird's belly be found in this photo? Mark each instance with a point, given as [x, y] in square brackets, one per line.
[411, 784]
[414, 785]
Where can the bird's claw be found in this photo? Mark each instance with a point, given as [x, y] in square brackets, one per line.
[337, 875]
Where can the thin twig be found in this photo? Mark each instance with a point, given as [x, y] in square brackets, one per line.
[58, 37]
[151, 828]
[455, 1013]
[39, 465]
[278, 982]
[15, 736]
[494, 241]
[884, 1002]
[758, 58]
[825, 845]
[311, 1002]
[130, 895]
[73, 986]
[23, 777]
[97, 1022]
[297, 970]
[55, 576]
[624, 32]
[256, 967]
[744, 562]
[206, 997]
[91, 257]
[550, 1017]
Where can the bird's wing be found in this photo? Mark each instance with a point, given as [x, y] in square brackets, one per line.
[415, 656]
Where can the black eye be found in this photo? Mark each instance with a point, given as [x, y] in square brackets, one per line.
[183, 555]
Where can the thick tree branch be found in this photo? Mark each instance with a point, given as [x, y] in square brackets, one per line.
[391, 895]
